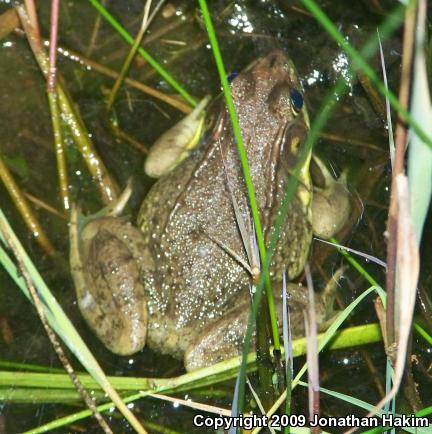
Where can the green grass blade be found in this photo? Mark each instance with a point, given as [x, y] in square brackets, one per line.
[423, 333]
[392, 148]
[252, 203]
[6, 364]
[330, 332]
[390, 24]
[59, 321]
[365, 406]
[359, 62]
[419, 153]
[243, 156]
[228, 369]
[143, 53]
[205, 377]
[43, 395]
[355, 264]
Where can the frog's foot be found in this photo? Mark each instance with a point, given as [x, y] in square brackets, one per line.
[104, 261]
[220, 340]
[331, 205]
[114, 209]
[224, 338]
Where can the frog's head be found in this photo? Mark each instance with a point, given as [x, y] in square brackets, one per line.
[270, 105]
[275, 79]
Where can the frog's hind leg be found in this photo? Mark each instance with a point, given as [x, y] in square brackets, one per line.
[223, 338]
[220, 340]
[107, 282]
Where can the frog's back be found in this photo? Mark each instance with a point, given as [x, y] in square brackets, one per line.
[185, 222]
[188, 218]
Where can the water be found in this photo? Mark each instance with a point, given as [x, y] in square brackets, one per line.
[246, 30]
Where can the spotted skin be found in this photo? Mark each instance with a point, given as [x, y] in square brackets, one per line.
[194, 291]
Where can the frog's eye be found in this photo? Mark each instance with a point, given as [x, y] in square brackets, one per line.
[231, 77]
[296, 101]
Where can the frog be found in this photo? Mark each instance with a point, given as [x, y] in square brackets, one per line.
[177, 281]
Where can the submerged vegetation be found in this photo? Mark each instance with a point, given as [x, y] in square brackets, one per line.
[75, 130]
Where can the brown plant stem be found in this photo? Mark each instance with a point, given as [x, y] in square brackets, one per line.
[51, 79]
[102, 69]
[126, 65]
[400, 144]
[52, 336]
[30, 7]
[54, 108]
[95, 32]
[59, 150]
[372, 93]
[172, 100]
[107, 187]
[9, 21]
[42, 204]
[24, 209]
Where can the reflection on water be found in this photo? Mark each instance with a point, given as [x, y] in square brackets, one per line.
[246, 30]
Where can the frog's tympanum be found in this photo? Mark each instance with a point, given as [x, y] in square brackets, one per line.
[176, 283]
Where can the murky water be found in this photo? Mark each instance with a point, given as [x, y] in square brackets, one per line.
[246, 30]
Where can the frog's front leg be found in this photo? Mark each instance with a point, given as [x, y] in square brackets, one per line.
[105, 267]
[177, 143]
